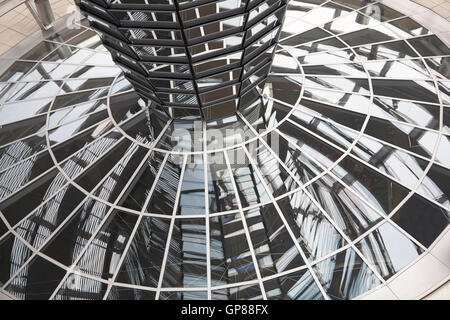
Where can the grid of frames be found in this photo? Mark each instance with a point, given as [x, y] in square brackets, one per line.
[201, 56]
[345, 184]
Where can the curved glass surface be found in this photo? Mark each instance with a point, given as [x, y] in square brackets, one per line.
[330, 180]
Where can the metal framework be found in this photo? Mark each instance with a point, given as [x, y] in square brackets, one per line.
[201, 56]
[78, 216]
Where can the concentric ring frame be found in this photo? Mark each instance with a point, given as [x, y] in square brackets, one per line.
[439, 250]
[432, 267]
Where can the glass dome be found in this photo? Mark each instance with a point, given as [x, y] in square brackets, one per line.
[331, 182]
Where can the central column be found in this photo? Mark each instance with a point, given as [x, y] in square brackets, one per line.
[197, 57]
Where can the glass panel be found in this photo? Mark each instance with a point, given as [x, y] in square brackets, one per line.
[274, 248]
[345, 117]
[17, 111]
[420, 114]
[403, 69]
[24, 172]
[123, 293]
[349, 212]
[262, 114]
[37, 281]
[192, 193]
[98, 138]
[77, 287]
[284, 63]
[182, 136]
[308, 36]
[375, 34]
[231, 259]
[14, 253]
[435, 185]
[430, 46]
[142, 264]
[89, 154]
[103, 254]
[345, 276]
[338, 83]
[18, 205]
[389, 250]
[442, 155]
[331, 132]
[406, 89]
[408, 27]
[183, 295]
[315, 234]
[295, 286]
[67, 244]
[315, 148]
[400, 165]
[110, 189]
[65, 100]
[410, 138]
[18, 130]
[248, 184]
[422, 219]
[16, 70]
[72, 113]
[388, 50]
[284, 88]
[136, 197]
[164, 196]
[275, 176]
[3, 228]
[221, 192]
[20, 150]
[40, 225]
[349, 69]
[226, 132]
[94, 174]
[334, 57]
[186, 260]
[67, 131]
[384, 193]
[246, 292]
